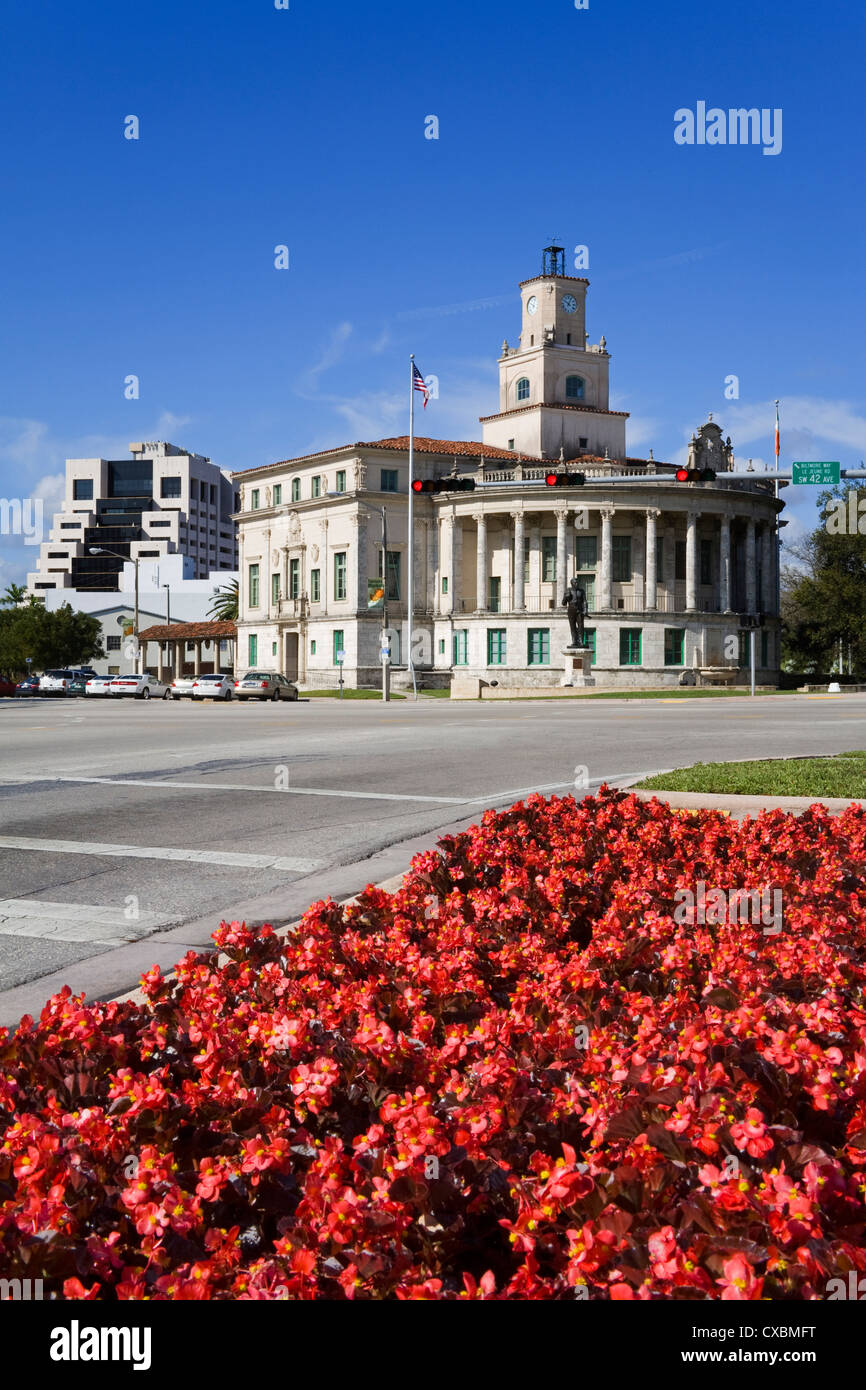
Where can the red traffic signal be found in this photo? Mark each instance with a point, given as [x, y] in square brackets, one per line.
[695, 475]
[565, 479]
[450, 484]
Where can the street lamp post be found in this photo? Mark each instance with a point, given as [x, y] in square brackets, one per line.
[102, 550]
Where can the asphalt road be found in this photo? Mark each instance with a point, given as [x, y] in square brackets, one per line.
[129, 830]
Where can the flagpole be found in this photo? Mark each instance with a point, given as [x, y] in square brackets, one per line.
[410, 578]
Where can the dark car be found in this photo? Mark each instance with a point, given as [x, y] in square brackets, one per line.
[7, 687]
[29, 686]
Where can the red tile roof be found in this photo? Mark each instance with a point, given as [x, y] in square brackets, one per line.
[448, 447]
[188, 632]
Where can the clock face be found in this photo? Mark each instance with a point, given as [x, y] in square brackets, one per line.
[569, 303]
[531, 305]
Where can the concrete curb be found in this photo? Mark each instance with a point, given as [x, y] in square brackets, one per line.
[739, 806]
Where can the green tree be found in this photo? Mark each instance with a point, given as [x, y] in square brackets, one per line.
[824, 600]
[14, 594]
[224, 607]
[60, 637]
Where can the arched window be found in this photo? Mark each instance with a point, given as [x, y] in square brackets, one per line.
[523, 389]
[575, 387]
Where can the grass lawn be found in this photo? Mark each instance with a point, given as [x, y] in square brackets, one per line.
[843, 775]
[347, 694]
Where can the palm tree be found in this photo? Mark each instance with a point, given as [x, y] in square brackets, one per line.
[224, 607]
[15, 594]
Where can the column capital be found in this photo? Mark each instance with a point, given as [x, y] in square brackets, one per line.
[480, 518]
[517, 516]
[447, 519]
[654, 512]
[607, 513]
[561, 513]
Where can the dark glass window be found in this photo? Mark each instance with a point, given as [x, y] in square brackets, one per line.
[82, 489]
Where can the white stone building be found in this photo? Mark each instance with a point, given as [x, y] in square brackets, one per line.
[667, 566]
[161, 501]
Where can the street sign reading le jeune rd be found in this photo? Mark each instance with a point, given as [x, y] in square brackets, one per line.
[820, 473]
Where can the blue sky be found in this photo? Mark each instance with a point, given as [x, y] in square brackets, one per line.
[305, 127]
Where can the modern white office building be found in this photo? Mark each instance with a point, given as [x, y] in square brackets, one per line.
[161, 501]
[667, 566]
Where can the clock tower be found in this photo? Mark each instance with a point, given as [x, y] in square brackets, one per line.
[553, 388]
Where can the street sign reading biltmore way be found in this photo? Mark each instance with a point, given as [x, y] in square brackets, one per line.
[820, 473]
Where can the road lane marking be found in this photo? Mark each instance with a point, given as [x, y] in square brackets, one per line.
[109, 926]
[192, 856]
[247, 787]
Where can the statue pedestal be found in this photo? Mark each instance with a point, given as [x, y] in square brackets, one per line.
[578, 666]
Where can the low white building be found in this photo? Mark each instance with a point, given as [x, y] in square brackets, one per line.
[667, 566]
[165, 592]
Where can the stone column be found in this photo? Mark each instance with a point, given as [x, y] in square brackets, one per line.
[358, 569]
[161, 671]
[480, 520]
[197, 658]
[725, 565]
[142, 666]
[324, 566]
[768, 584]
[692, 562]
[606, 570]
[651, 592]
[179, 653]
[638, 568]
[751, 568]
[519, 588]
[562, 575]
[446, 564]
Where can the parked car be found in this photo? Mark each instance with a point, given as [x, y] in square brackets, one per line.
[29, 686]
[99, 685]
[78, 684]
[7, 687]
[218, 687]
[142, 687]
[181, 686]
[55, 682]
[265, 685]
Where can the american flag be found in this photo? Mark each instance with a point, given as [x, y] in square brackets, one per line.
[778, 434]
[420, 384]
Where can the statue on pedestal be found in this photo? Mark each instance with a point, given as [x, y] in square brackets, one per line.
[575, 607]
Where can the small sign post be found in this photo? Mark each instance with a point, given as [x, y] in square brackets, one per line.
[821, 474]
[341, 657]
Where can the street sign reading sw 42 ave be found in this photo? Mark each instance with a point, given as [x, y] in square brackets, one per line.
[823, 474]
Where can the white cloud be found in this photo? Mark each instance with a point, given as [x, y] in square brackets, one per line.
[806, 422]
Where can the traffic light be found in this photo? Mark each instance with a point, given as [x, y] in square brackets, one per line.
[695, 475]
[565, 479]
[450, 484]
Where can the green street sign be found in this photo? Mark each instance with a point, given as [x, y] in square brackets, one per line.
[823, 474]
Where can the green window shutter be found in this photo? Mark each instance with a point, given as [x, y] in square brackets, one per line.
[296, 489]
[548, 559]
[278, 494]
[538, 646]
[629, 646]
[315, 585]
[586, 552]
[294, 579]
[590, 636]
[338, 643]
[706, 561]
[254, 649]
[275, 588]
[621, 559]
[461, 647]
[253, 586]
[674, 644]
[340, 575]
[496, 646]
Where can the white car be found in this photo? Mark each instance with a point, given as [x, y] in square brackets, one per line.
[219, 687]
[142, 687]
[181, 686]
[59, 680]
[99, 685]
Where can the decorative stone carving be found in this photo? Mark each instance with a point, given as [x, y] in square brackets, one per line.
[707, 448]
[314, 553]
[294, 524]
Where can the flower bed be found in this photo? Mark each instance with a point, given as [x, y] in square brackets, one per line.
[519, 1077]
